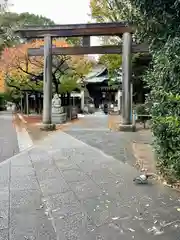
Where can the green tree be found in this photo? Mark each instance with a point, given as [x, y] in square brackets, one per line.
[114, 11]
[157, 23]
[3, 6]
[68, 84]
[140, 64]
[75, 41]
[161, 30]
[112, 62]
[10, 21]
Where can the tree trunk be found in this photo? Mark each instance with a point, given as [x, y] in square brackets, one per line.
[36, 103]
[63, 99]
[56, 85]
[68, 99]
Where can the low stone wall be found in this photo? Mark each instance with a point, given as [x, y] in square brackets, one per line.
[72, 112]
[59, 118]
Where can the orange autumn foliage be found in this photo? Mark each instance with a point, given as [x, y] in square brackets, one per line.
[15, 61]
[16, 64]
[2, 83]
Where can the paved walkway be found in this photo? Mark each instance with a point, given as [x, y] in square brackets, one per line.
[65, 189]
[100, 132]
[8, 137]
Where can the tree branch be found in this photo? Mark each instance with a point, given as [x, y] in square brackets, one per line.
[118, 6]
[23, 90]
[27, 72]
[13, 86]
[39, 64]
[112, 12]
[58, 67]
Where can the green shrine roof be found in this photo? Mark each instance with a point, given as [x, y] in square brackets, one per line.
[96, 79]
[97, 75]
[96, 71]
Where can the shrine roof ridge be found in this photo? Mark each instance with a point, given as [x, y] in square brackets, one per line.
[76, 30]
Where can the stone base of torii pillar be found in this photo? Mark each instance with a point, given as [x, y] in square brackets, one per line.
[127, 128]
[48, 127]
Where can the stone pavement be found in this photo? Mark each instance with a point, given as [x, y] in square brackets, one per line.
[65, 189]
[32, 124]
[8, 138]
[100, 132]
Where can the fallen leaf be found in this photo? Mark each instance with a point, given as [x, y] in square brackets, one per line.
[115, 218]
[131, 230]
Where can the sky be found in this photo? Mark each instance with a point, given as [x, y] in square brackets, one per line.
[61, 11]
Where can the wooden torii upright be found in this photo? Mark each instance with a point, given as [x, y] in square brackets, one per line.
[121, 29]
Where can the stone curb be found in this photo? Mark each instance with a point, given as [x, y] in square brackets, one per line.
[21, 118]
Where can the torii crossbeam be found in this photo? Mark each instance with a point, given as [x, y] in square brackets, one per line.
[121, 29]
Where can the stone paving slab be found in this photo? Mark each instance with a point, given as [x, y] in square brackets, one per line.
[4, 209]
[101, 201]
[115, 144]
[124, 146]
[77, 192]
[31, 225]
[8, 138]
[21, 215]
[4, 234]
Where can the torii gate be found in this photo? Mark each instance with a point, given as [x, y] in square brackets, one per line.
[121, 29]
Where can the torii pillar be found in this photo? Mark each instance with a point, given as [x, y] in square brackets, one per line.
[47, 85]
[126, 121]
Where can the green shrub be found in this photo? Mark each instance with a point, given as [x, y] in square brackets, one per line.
[167, 144]
[140, 109]
[163, 79]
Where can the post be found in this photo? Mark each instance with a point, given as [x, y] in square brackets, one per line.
[119, 100]
[126, 83]
[47, 80]
[126, 79]
[27, 104]
[131, 102]
[82, 100]
[21, 103]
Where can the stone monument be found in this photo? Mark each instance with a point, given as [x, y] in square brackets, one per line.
[58, 115]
